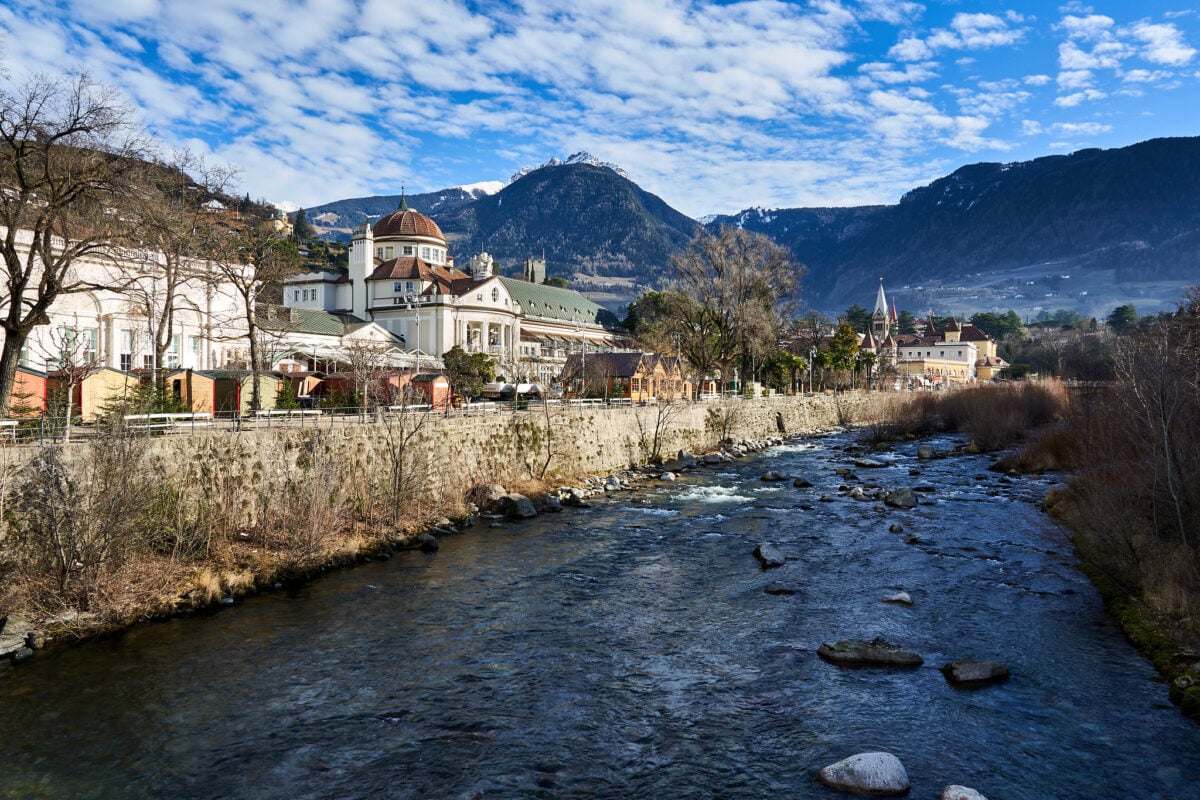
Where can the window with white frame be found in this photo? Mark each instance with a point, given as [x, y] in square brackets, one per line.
[173, 352]
[408, 250]
[126, 354]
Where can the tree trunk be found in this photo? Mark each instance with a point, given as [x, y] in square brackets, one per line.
[10, 359]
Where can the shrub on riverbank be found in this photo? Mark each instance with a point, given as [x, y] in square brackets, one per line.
[105, 534]
[1133, 501]
[993, 415]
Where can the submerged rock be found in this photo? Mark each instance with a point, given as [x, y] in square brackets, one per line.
[925, 452]
[427, 543]
[879, 774]
[974, 673]
[769, 555]
[896, 527]
[801, 483]
[901, 498]
[875, 653]
[772, 476]
[778, 588]
[869, 463]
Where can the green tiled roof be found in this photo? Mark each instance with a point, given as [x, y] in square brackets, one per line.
[308, 320]
[551, 302]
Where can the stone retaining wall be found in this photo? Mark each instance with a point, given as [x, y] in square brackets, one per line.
[517, 445]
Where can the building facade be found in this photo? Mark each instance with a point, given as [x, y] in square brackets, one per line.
[402, 277]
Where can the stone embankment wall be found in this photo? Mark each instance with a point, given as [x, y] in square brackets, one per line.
[516, 445]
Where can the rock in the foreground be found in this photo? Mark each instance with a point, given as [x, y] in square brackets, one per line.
[769, 556]
[974, 673]
[875, 653]
[877, 774]
[517, 506]
[961, 793]
[901, 498]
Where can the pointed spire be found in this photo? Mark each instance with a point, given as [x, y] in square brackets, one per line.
[881, 306]
[895, 316]
[403, 200]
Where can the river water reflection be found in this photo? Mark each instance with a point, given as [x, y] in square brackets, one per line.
[629, 651]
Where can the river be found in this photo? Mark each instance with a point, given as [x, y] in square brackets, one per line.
[629, 651]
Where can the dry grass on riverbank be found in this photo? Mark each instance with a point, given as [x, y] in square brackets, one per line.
[1133, 500]
[107, 535]
[995, 416]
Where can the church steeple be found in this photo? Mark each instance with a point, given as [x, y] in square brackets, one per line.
[879, 317]
[404, 203]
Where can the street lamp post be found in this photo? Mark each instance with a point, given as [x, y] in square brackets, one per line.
[812, 362]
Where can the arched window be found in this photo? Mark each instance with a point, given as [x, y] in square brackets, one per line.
[495, 294]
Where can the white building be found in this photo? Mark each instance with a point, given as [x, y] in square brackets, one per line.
[402, 276]
[114, 323]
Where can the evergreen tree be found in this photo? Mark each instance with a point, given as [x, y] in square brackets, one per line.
[300, 227]
[907, 322]
[1123, 319]
[859, 318]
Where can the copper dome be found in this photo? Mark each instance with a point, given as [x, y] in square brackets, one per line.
[404, 222]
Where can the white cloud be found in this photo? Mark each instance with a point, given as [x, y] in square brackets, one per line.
[1075, 79]
[1037, 80]
[1030, 127]
[1074, 99]
[891, 11]
[1164, 44]
[910, 49]
[1080, 128]
[1093, 27]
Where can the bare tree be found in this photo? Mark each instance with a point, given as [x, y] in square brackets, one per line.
[367, 361]
[74, 357]
[246, 257]
[653, 423]
[739, 284]
[174, 222]
[69, 158]
[407, 462]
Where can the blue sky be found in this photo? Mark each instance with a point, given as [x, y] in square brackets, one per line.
[714, 106]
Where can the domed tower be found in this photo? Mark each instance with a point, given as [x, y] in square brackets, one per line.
[402, 236]
[409, 234]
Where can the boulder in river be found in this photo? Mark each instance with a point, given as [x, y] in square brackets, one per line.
[667, 476]
[769, 555]
[896, 527]
[772, 476]
[899, 598]
[427, 543]
[878, 774]
[875, 653]
[517, 506]
[901, 498]
[974, 673]
[779, 588]
[925, 452]
[869, 463]
[801, 482]
[955, 792]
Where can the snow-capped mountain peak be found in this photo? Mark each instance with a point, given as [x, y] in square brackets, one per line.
[582, 157]
[482, 188]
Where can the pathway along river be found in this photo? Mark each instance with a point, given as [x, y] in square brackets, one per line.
[629, 651]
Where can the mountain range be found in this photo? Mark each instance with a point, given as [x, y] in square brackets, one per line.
[1085, 231]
